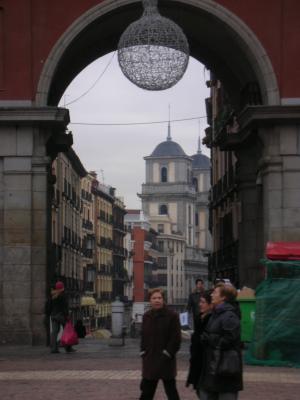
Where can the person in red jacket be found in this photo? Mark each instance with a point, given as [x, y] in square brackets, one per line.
[160, 341]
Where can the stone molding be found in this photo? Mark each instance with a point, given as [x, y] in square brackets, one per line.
[34, 116]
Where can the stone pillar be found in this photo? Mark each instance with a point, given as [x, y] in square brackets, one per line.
[251, 224]
[280, 169]
[24, 166]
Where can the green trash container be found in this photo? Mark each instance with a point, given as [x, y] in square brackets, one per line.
[247, 306]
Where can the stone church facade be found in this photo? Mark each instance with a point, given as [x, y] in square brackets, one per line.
[175, 199]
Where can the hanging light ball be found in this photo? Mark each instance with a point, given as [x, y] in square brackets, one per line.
[153, 52]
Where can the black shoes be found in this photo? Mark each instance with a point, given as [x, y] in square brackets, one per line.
[70, 350]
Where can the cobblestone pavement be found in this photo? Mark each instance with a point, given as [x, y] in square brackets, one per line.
[97, 371]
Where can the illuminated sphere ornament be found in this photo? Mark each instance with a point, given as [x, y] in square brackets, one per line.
[153, 51]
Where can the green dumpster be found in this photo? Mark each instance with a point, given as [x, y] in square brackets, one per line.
[247, 306]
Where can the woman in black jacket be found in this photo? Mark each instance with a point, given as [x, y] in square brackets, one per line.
[221, 375]
[196, 349]
[58, 310]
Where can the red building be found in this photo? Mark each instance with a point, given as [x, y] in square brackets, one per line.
[145, 259]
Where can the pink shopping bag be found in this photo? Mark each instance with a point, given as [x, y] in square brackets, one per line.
[69, 336]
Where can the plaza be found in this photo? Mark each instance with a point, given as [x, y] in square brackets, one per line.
[98, 371]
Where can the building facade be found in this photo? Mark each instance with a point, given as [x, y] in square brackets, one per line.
[66, 252]
[172, 200]
[145, 261]
[225, 199]
[88, 302]
[104, 199]
[119, 273]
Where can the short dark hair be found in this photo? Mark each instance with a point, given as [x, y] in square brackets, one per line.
[207, 296]
[199, 280]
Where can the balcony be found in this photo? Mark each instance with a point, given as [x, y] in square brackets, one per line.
[104, 269]
[120, 251]
[86, 224]
[224, 187]
[120, 227]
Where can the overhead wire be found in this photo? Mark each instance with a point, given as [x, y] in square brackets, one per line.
[135, 123]
[94, 84]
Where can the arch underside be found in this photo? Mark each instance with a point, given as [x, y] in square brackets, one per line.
[213, 42]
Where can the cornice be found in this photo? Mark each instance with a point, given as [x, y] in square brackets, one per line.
[34, 116]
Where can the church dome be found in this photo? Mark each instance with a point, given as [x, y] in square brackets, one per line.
[168, 149]
[200, 161]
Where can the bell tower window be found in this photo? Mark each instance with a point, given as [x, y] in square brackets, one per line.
[163, 209]
[164, 174]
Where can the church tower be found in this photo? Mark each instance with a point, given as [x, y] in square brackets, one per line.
[169, 200]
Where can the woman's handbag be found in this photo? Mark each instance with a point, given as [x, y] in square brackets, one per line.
[69, 336]
[225, 362]
[229, 363]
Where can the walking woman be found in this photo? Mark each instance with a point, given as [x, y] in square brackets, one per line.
[58, 310]
[221, 377]
[197, 349]
[160, 341]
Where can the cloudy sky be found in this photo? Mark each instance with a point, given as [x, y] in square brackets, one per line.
[102, 94]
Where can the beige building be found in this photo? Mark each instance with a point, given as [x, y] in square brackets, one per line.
[88, 303]
[104, 199]
[66, 258]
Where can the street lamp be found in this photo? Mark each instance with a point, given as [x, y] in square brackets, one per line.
[153, 52]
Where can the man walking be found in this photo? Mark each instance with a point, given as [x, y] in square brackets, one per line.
[194, 298]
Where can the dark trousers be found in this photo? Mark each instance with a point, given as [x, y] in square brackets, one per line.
[203, 395]
[148, 388]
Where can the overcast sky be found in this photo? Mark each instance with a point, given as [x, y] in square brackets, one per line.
[119, 150]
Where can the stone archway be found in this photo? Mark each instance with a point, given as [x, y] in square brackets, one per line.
[24, 161]
[253, 52]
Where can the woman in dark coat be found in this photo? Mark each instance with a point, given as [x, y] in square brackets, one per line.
[160, 341]
[196, 349]
[221, 339]
[57, 308]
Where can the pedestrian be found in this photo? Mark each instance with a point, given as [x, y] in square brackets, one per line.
[221, 375]
[57, 309]
[193, 300]
[196, 348]
[160, 341]
[80, 329]
[234, 301]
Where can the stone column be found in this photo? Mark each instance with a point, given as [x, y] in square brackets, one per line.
[280, 168]
[251, 224]
[24, 166]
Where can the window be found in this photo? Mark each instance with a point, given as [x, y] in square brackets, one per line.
[163, 209]
[162, 262]
[160, 244]
[196, 219]
[160, 228]
[164, 174]
[195, 184]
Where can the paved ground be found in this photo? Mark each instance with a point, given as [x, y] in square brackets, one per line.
[98, 371]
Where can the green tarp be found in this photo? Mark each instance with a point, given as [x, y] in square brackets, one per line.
[276, 337]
